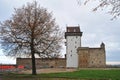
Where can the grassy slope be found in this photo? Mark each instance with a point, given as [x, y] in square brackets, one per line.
[91, 74]
[83, 74]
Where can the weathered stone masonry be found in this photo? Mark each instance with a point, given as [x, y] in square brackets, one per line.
[42, 63]
[92, 57]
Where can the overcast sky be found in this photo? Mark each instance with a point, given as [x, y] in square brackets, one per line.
[96, 26]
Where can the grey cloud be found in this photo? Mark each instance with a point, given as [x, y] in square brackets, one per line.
[96, 26]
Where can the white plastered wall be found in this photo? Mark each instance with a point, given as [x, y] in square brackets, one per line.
[73, 42]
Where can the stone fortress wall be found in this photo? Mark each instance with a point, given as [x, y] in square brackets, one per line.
[42, 63]
[87, 58]
[92, 57]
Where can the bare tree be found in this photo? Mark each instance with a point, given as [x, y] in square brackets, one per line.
[31, 30]
[114, 6]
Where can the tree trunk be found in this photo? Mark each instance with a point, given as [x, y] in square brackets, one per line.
[33, 64]
[33, 56]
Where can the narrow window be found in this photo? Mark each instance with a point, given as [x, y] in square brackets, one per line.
[96, 54]
[65, 43]
[68, 30]
[74, 30]
[75, 42]
[92, 62]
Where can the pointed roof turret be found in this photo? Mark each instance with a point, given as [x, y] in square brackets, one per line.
[102, 45]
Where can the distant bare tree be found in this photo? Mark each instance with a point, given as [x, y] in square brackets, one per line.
[31, 30]
[114, 6]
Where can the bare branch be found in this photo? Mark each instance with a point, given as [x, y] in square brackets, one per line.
[113, 4]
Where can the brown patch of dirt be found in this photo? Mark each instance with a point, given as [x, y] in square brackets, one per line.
[48, 70]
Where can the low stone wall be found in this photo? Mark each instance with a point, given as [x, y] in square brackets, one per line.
[42, 63]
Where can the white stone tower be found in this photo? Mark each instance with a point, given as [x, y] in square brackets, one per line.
[73, 41]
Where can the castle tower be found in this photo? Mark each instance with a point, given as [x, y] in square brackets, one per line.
[73, 41]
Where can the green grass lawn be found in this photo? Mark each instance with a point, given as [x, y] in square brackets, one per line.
[77, 75]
